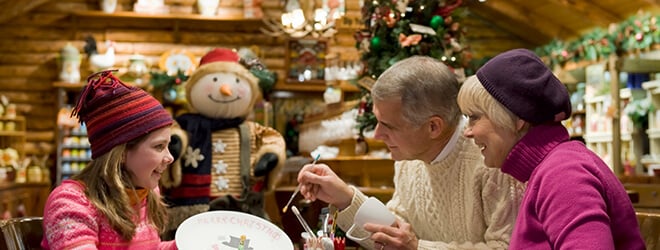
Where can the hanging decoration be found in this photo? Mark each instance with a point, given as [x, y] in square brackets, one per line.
[303, 19]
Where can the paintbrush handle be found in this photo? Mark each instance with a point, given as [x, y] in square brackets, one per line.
[303, 222]
[295, 192]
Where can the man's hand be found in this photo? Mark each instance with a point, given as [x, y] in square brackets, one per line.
[398, 236]
[320, 182]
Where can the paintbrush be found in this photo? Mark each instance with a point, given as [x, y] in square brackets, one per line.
[295, 192]
[303, 222]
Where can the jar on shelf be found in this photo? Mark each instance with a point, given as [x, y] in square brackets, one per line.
[70, 62]
[10, 126]
[34, 174]
[3, 175]
[577, 98]
[10, 112]
[10, 173]
[21, 175]
[137, 68]
[208, 7]
[108, 6]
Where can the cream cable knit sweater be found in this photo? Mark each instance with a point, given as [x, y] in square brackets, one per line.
[456, 203]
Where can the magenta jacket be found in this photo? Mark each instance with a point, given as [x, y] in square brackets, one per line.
[573, 200]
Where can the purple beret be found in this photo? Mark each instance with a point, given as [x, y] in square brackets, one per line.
[526, 86]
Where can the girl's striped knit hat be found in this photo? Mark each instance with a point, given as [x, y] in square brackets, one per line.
[115, 113]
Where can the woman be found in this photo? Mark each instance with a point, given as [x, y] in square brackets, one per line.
[114, 203]
[573, 200]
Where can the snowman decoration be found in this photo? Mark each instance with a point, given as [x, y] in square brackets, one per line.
[228, 162]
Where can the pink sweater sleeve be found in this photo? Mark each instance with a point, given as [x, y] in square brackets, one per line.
[69, 219]
[167, 245]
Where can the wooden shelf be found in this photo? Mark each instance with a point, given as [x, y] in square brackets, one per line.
[578, 112]
[283, 85]
[65, 91]
[165, 16]
[12, 133]
[17, 118]
[30, 196]
[14, 138]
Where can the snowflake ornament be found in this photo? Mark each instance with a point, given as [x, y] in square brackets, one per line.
[219, 146]
[193, 157]
[220, 167]
[222, 183]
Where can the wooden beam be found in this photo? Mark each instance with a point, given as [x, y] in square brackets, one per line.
[591, 11]
[11, 9]
[521, 29]
[529, 18]
[639, 65]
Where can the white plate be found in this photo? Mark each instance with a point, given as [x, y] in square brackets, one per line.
[219, 230]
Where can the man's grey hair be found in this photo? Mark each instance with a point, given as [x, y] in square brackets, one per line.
[425, 86]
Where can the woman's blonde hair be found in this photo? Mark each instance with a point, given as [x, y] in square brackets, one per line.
[106, 181]
[473, 98]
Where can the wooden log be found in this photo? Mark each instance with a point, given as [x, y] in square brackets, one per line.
[7, 58]
[41, 111]
[25, 84]
[36, 33]
[40, 123]
[40, 19]
[31, 46]
[67, 6]
[28, 97]
[40, 136]
[36, 71]
[180, 2]
[9, 10]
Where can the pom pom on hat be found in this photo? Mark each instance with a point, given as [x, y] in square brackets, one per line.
[115, 113]
[525, 85]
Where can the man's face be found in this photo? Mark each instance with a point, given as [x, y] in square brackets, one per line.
[404, 140]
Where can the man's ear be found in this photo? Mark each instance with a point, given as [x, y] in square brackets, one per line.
[436, 124]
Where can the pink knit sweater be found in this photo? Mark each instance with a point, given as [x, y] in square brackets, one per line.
[72, 222]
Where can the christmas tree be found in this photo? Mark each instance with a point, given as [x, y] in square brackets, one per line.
[397, 29]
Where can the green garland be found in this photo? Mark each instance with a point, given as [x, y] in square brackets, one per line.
[162, 81]
[638, 32]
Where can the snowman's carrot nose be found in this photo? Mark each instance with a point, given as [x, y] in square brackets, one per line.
[225, 90]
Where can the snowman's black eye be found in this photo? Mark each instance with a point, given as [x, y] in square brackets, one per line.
[215, 79]
[238, 80]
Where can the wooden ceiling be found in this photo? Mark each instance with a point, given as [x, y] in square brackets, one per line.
[537, 22]
[522, 23]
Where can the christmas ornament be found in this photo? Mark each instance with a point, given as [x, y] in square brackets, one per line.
[376, 43]
[436, 21]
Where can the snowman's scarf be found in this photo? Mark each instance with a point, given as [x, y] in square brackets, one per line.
[200, 129]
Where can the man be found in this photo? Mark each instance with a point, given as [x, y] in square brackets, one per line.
[444, 196]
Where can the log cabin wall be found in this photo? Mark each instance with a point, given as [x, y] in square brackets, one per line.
[34, 32]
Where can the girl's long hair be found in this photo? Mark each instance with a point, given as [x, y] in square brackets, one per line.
[106, 184]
